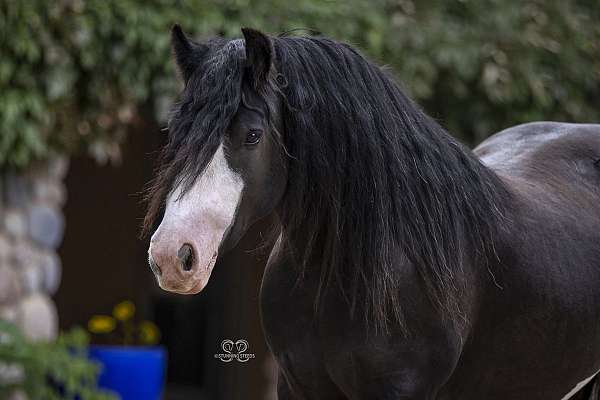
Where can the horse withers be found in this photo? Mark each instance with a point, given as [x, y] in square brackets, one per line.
[406, 266]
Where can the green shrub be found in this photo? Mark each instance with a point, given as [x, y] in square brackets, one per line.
[41, 368]
[74, 73]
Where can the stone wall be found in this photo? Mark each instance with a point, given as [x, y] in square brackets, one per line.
[31, 229]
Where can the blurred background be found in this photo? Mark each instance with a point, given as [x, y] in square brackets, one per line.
[85, 88]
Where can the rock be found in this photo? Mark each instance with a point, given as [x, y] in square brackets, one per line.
[58, 167]
[25, 254]
[10, 285]
[11, 374]
[51, 272]
[5, 248]
[37, 318]
[32, 278]
[15, 223]
[17, 189]
[50, 192]
[46, 225]
[17, 395]
[9, 313]
[1, 192]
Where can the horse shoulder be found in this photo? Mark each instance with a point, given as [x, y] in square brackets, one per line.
[287, 316]
[409, 363]
[335, 352]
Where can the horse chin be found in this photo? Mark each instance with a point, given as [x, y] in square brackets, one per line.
[197, 288]
[192, 286]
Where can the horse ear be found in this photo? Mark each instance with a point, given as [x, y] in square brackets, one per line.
[259, 56]
[188, 54]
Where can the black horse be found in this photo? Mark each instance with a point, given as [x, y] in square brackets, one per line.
[406, 266]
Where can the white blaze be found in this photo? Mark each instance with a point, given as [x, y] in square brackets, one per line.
[200, 217]
[214, 195]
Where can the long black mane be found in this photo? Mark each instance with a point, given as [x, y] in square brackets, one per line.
[371, 174]
[373, 182]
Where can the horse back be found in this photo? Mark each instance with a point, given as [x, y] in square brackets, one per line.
[545, 152]
[553, 171]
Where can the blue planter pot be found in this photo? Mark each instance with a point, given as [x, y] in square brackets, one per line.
[135, 373]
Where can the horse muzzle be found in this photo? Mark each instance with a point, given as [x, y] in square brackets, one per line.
[180, 269]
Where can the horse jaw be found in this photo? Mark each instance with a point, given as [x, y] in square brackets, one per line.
[199, 217]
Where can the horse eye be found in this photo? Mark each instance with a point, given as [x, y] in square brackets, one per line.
[253, 137]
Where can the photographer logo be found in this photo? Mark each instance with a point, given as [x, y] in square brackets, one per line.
[234, 351]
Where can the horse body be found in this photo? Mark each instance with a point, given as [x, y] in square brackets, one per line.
[534, 329]
[407, 267]
[537, 335]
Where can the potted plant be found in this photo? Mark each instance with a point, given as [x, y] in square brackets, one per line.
[134, 365]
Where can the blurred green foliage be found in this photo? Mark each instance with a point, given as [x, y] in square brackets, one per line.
[73, 73]
[48, 370]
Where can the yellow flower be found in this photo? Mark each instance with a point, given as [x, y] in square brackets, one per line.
[101, 324]
[149, 333]
[124, 310]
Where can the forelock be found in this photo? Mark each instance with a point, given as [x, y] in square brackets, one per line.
[198, 122]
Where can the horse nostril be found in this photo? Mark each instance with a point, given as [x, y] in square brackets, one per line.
[185, 255]
[154, 267]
